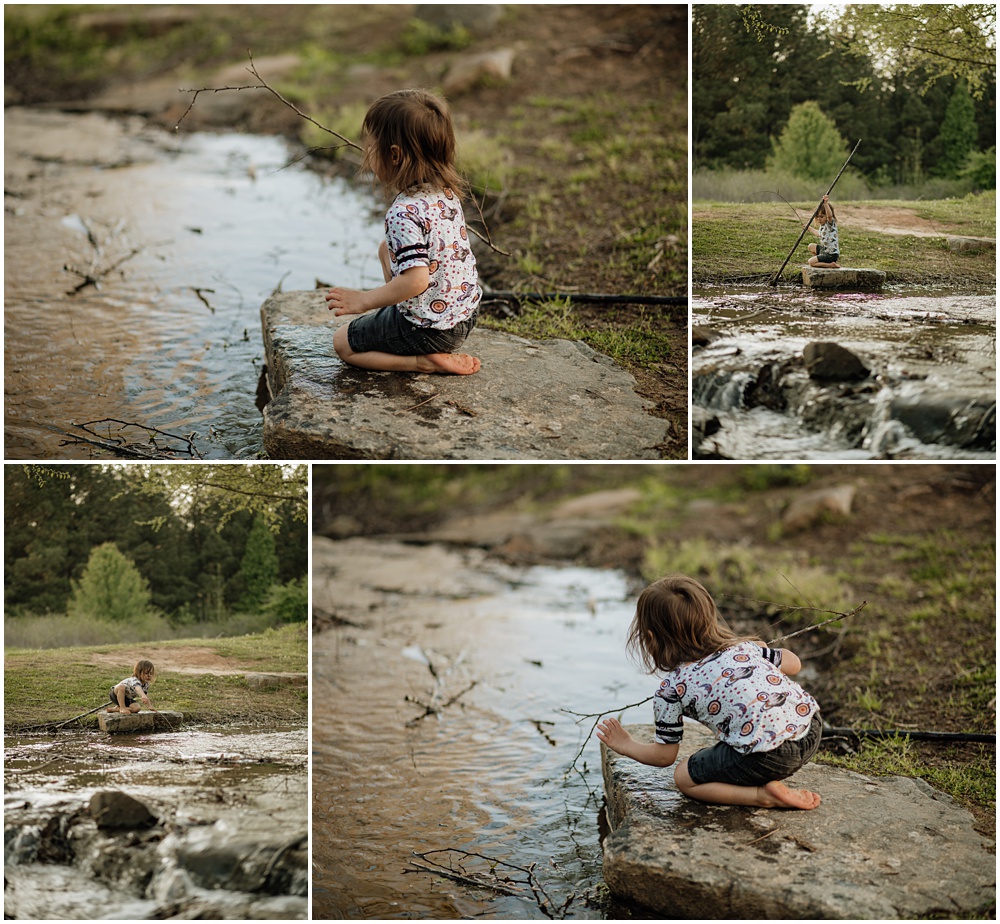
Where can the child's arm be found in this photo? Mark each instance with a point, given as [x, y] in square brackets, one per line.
[408, 284]
[655, 754]
[790, 663]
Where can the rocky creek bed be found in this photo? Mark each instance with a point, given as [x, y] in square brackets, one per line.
[218, 827]
[907, 375]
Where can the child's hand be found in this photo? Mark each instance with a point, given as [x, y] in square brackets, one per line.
[346, 301]
[610, 731]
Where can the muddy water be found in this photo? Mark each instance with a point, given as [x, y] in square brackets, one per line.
[487, 774]
[932, 394]
[227, 796]
[205, 226]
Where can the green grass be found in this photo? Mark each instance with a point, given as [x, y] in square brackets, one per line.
[56, 684]
[741, 240]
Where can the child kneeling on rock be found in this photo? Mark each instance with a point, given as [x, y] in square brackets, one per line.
[428, 306]
[768, 726]
[126, 695]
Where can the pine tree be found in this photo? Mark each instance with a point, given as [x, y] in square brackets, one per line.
[957, 138]
[110, 588]
[810, 145]
[259, 568]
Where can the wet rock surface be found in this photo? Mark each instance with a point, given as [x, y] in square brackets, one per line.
[552, 399]
[843, 278]
[886, 847]
[809, 375]
[121, 723]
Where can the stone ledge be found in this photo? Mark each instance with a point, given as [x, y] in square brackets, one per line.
[878, 847]
[842, 278]
[131, 723]
[552, 399]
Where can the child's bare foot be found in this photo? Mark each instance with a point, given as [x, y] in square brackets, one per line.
[783, 797]
[449, 363]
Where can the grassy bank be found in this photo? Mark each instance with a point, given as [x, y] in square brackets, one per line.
[740, 241]
[59, 683]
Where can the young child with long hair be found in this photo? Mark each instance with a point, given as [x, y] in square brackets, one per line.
[130, 694]
[428, 305]
[826, 253]
[768, 726]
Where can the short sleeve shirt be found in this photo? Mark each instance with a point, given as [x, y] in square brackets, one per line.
[828, 237]
[428, 229]
[739, 693]
[134, 688]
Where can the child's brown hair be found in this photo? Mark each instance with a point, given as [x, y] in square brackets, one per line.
[143, 667]
[410, 137]
[676, 620]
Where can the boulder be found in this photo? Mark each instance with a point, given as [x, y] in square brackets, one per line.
[551, 399]
[112, 809]
[479, 19]
[877, 848]
[261, 681]
[811, 506]
[468, 71]
[842, 278]
[832, 362]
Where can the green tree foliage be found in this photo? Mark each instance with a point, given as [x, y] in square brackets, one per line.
[935, 39]
[810, 145]
[289, 602]
[110, 588]
[753, 63]
[185, 535]
[259, 567]
[958, 133]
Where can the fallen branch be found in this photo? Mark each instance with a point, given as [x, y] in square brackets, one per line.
[119, 446]
[584, 297]
[518, 886]
[832, 732]
[819, 625]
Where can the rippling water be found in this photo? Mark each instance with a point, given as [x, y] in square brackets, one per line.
[488, 775]
[172, 339]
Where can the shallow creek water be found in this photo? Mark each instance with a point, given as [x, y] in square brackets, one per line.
[227, 798]
[208, 225]
[490, 773]
[932, 394]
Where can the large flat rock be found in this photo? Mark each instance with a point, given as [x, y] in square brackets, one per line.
[134, 723]
[552, 399]
[843, 278]
[877, 848]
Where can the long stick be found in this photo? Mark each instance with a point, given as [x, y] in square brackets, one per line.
[82, 715]
[774, 278]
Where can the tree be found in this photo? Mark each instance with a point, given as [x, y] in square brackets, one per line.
[110, 587]
[947, 39]
[810, 145]
[259, 568]
[958, 133]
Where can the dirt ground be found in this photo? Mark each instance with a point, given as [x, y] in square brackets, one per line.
[184, 660]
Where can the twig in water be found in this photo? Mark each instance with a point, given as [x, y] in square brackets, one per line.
[120, 446]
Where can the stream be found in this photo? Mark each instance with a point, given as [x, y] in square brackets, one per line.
[500, 651]
[200, 228]
[233, 814]
[931, 394]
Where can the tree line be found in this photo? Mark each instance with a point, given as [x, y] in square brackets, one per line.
[922, 110]
[193, 542]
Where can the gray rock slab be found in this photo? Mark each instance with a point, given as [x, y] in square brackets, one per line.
[843, 278]
[877, 848]
[552, 399]
[275, 681]
[133, 723]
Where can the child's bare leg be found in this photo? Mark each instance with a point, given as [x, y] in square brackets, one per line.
[383, 258]
[451, 363]
[772, 795]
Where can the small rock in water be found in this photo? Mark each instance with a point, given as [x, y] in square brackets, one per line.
[833, 362]
[112, 809]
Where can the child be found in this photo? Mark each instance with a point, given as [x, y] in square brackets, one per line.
[826, 253]
[768, 726]
[125, 696]
[429, 303]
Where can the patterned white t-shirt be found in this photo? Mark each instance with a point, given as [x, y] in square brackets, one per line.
[828, 240]
[428, 229]
[740, 694]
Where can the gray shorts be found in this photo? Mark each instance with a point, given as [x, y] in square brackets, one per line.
[723, 764]
[388, 331]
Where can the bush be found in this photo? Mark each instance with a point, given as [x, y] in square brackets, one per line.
[110, 587]
[288, 602]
